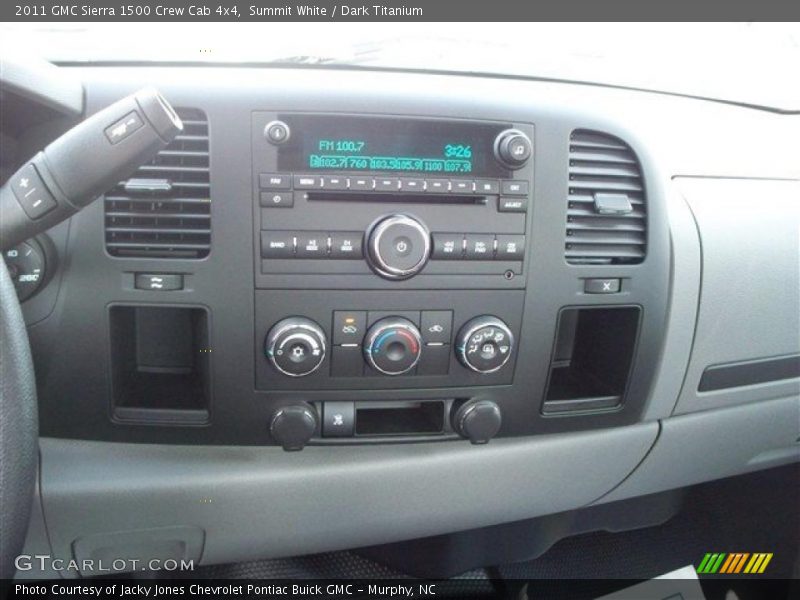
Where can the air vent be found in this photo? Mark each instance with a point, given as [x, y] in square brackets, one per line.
[164, 209]
[606, 216]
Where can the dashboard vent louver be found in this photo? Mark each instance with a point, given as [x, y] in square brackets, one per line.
[606, 212]
[164, 209]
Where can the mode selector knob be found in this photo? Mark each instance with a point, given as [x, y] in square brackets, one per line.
[398, 246]
[393, 346]
[485, 344]
[513, 148]
[295, 346]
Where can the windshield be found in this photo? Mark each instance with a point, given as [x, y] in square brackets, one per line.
[749, 63]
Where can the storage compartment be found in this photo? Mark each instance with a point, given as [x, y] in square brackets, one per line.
[160, 364]
[592, 358]
[400, 418]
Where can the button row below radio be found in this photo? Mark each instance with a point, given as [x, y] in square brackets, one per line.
[460, 246]
[311, 244]
[280, 181]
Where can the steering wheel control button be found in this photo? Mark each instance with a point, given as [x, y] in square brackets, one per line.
[338, 419]
[393, 346]
[349, 327]
[398, 247]
[510, 247]
[295, 346]
[276, 200]
[436, 326]
[293, 426]
[346, 244]
[277, 244]
[158, 282]
[479, 247]
[513, 148]
[277, 132]
[484, 344]
[31, 192]
[602, 286]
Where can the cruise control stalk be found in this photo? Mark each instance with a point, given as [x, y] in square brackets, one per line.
[85, 162]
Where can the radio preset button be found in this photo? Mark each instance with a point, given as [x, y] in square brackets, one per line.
[334, 183]
[479, 247]
[307, 182]
[274, 181]
[412, 185]
[515, 187]
[346, 244]
[277, 244]
[448, 246]
[462, 186]
[512, 205]
[510, 247]
[441, 186]
[387, 184]
[276, 200]
[311, 244]
[362, 183]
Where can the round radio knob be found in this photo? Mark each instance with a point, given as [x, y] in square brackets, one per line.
[393, 346]
[484, 344]
[513, 148]
[295, 346]
[293, 426]
[398, 247]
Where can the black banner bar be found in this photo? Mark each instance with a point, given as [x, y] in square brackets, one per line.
[397, 10]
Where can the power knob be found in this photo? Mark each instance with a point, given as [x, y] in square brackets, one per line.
[295, 346]
[398, 247]
[513, 148]
[484, 344]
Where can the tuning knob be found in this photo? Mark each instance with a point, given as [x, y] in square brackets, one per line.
[393, 346]
[398, 247]
[513, 148]
[293, 426]
[484, 344]
[295, 346]
[478, 420]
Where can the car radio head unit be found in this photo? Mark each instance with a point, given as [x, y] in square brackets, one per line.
[330, 143]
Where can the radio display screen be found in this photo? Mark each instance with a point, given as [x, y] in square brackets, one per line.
[390, 145]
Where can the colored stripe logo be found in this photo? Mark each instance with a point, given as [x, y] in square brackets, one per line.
[734, 562]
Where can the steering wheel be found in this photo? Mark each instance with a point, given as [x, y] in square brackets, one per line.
[18, 426]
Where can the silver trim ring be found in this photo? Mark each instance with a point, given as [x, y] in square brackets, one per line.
[410, 327]
[380, 264]
[297, 324]
[480, 323]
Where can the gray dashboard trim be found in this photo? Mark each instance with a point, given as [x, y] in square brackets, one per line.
[263, 502]
[42, 82]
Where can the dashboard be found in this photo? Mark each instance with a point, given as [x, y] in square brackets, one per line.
[374, 270]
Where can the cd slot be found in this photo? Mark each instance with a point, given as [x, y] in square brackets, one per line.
[393, 197]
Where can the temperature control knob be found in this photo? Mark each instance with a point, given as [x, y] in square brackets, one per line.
[393, 346]
[398, 247]
[295, 346]
[513, 148]
[485, 344]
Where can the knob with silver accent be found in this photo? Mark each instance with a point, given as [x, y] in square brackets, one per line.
[295, 346]
[484, 344]
[393, 346]
[398, 246]
[513, 148]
